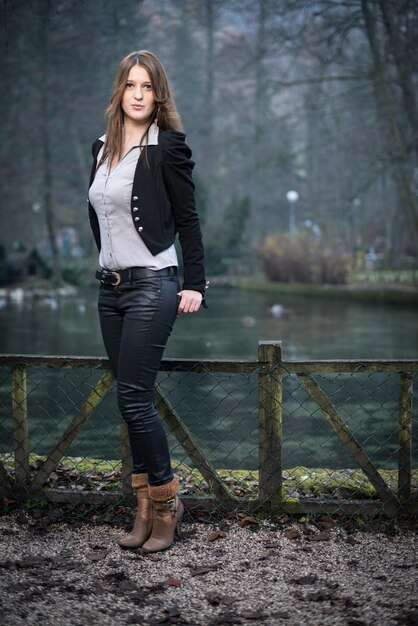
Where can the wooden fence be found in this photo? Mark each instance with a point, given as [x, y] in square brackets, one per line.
[271, 371]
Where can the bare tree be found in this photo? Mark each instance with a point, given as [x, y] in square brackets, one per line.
[387, 107]
[274, 94]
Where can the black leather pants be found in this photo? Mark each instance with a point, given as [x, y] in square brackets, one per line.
[136, 320]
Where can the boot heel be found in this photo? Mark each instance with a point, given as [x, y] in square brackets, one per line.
[177, 531]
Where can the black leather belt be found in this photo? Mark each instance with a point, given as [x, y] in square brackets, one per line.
[115, 278]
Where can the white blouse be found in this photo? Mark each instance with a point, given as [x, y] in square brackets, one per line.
[110, 196]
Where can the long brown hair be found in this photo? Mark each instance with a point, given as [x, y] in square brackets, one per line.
[165, 110]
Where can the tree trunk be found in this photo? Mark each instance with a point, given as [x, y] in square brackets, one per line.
[44, 29]
[386, 104]
[403, 61]
[261, 97]
[209, 100]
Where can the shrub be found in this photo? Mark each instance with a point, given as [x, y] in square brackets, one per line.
[302, 260]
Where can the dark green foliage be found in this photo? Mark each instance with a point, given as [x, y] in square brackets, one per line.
[225, 244]
[215, 259]
[3, 266]
[234, 221]
[78, 271]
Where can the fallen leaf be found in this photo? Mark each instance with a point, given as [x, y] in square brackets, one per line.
[173, 582]
[248, 520]
[318, 537]
[291, 533]
[351, 541]
[218, 534]
[199, 571]
[112, 475]
[7, 501]
[325, 522]
[215, 599]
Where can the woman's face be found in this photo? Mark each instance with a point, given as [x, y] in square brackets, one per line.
[138, 98]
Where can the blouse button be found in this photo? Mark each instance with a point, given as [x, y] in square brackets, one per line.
[135, 208]
[140, 229]
[135, 198]
[136, 219]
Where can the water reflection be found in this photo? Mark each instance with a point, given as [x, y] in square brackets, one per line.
[230, 328]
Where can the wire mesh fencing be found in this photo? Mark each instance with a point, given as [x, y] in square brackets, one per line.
[265, 436]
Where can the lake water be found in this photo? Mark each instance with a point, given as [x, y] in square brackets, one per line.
[221, 409]
[231, 328]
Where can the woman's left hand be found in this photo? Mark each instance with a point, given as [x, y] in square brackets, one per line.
[190, 301]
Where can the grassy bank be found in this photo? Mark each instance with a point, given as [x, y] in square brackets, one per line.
[370, 293]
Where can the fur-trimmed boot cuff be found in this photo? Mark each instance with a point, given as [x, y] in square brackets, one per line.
[140, 481]
[164, 493]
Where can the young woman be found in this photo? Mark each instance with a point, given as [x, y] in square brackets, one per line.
[141, 195]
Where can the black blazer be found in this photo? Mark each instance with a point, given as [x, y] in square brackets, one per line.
[163, 199]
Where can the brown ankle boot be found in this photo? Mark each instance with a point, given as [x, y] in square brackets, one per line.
[143, 518]
[167, 511]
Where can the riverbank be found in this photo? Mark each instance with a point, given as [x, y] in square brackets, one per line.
[377, 293]
[360, 292]
[38, 289]
[237, 572]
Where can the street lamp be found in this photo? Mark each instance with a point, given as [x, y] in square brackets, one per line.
[292, 197]
[37, 211]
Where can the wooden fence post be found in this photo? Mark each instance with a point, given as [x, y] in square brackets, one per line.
[270, 422]
[20, 427]
[405, 436]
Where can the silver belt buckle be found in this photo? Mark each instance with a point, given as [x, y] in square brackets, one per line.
[118, 278]
[105, 274]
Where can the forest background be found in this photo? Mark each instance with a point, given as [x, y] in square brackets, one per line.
[314, 98]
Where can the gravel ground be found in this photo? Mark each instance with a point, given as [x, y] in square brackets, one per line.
[230, 573]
